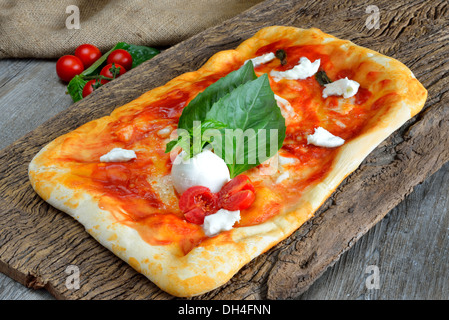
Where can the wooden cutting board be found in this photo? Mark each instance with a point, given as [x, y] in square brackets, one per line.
[38, 243]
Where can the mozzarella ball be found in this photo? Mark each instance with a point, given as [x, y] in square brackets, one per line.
[205, 169]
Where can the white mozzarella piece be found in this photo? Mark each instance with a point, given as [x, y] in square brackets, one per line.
[339, 123]
[342, 87]
[286, 108]
[118, 155]
[282, 177]
[257, 61]
[222, 220]
[283, 104]
[286, 160]
[301, 71]
[323, 138]
[165, 132]
[205, 169]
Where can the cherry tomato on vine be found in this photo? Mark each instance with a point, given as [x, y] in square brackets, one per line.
[90, 87]
[68, 66]
[112, 69]
[198, 202]
[122, 57]
[88, 54]
[237, 194]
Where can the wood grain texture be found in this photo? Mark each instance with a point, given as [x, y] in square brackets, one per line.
[28, 83]
[39, 242]
[30, 94]
[410, 246]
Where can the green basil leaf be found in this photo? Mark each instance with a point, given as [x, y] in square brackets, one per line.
[211, 126]
[171, 145]
[256, 126]
[198, 108]
[239, 118]
[75, 87]
[189, 146]
[322, 78]
[281, 55]
[138, 53]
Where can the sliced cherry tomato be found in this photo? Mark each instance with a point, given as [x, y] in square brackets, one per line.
[198, 196]
[196, 200]
[121, 57]
[90, 87]
[88, 54]
[237, 194]
[68, 66]
[239, 201]
[196, 216]
[110, 69]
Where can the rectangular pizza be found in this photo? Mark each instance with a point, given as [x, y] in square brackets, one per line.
[194, 179]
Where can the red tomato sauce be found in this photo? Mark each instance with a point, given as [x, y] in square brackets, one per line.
[133, 198]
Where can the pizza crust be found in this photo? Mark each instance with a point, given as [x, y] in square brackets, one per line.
[213, 262]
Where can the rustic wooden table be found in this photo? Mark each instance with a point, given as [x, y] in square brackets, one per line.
[407, 251]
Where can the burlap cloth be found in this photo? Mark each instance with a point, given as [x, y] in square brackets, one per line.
[38, 28]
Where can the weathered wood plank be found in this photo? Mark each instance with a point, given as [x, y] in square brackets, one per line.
[414, 33]
[410, 246]
[28, 83]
